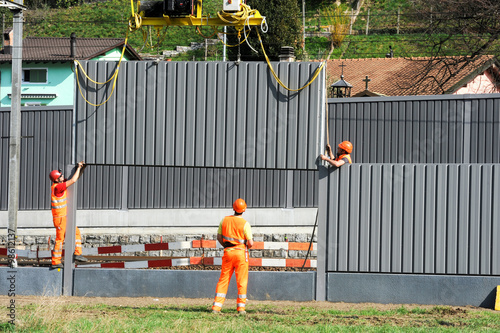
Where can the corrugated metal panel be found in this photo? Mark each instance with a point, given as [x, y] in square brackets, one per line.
[4, 159]
[182, 187]
[101, 187]
[419, 129]
[201, 114]
[413, 218]
[45, 145]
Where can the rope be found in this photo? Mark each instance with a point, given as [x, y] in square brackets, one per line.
[135, 21]
[202, 35]
[234, 18]
[222, 41]
[114, 77]
[315, 76]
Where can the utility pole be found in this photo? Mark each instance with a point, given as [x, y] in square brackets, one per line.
[15, 115]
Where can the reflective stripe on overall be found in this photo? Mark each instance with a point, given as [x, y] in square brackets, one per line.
[235, 260]
[59, 211]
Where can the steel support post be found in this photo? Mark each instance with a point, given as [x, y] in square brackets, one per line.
[322, 233]
[69, 239]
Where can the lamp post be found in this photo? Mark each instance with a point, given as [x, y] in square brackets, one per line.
[340, 89]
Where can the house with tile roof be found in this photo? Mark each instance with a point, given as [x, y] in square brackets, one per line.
[417, 76]
[48, 66]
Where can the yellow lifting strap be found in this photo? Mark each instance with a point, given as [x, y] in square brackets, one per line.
[315, 76]
[114, 77]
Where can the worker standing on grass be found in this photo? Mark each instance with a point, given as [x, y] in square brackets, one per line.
[343, 154]
[235, 235]
[59, 212]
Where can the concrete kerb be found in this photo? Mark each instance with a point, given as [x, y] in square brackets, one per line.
[291, 286]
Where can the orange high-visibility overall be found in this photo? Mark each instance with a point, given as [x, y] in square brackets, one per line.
[235, 259]
[59, 212]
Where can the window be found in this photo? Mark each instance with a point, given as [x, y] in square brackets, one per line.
[35, 75]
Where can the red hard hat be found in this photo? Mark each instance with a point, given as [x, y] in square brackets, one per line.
[346, 145]
[239, 205]
[54, 175]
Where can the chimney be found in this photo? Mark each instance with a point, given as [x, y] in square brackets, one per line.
[390, 54]
[287, 54]
[73, 45]
[8, 37]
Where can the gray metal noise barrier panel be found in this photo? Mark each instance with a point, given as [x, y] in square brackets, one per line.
[45, 145]
[418, 129]
[4, 160]
[123, 187]
[412, 218]
[201, 114]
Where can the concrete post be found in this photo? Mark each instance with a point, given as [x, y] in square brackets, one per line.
[15, 123]
[69, 239]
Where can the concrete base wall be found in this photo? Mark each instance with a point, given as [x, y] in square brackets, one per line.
[30, 281]
[292, 286]
[412, 289]
[153, 218]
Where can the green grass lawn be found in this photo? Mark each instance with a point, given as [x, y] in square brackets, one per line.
[52, 315]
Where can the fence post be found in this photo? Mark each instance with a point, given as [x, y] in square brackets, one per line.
[69, 241]
[398, 20]
[352, 18]
[367, 21]
[322, 237]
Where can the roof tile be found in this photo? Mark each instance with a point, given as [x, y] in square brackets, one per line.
[404, 76]
[59, 49]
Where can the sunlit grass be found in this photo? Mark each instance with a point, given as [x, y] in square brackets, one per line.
[52, 314]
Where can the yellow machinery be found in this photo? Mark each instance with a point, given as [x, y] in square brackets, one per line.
[159, 14]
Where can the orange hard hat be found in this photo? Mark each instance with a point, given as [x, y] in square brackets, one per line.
[239, 205]
[54, 175]
[346, 145]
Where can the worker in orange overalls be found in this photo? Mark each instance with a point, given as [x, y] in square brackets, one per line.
[59, 212]
[343, 154]
[235, 235]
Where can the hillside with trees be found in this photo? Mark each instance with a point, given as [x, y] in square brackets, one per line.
[333, 29]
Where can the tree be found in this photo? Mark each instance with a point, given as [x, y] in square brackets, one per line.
[469, 28]
[284, 29]
[338, 26]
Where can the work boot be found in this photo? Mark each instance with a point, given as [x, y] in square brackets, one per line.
[79, 258]
[57, 266]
